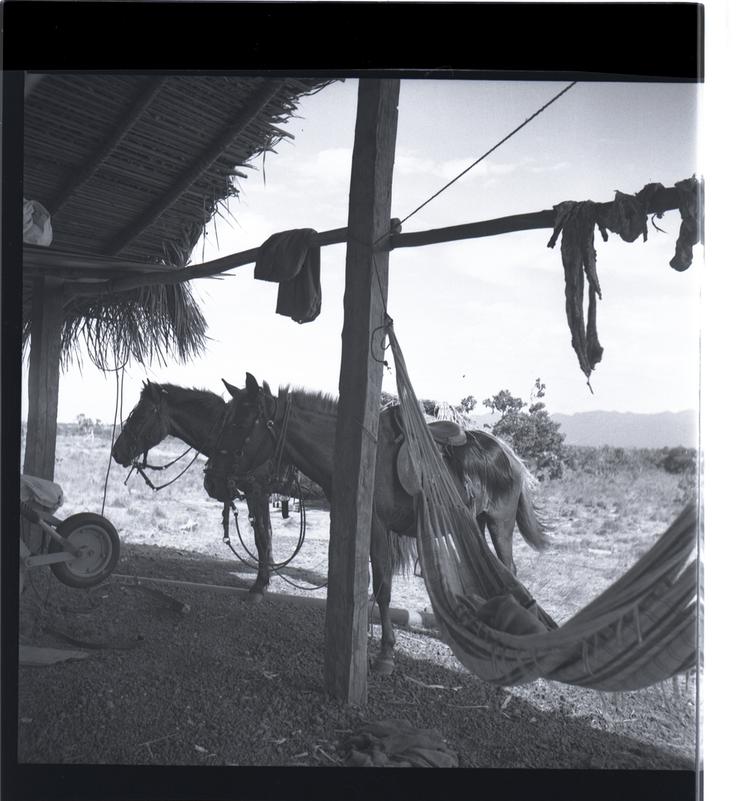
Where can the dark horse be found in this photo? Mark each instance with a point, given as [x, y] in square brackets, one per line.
[300, 427]
[194, 416]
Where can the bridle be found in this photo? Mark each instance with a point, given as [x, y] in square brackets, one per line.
[142, 466]
[276, 429]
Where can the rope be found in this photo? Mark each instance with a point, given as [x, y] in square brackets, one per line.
[492, 149]
[139, 467]
[119, 385]
[274, 567]
[163, 466]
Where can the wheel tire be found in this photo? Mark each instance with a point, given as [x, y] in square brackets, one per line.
[101, 542]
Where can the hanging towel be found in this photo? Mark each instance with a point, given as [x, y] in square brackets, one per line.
[292, 260]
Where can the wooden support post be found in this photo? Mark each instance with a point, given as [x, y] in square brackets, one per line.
[44, 377]
[360, 383]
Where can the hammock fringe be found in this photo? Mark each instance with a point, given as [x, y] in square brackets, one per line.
[640, 631]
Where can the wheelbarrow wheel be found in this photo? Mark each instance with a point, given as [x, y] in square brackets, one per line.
[98, 547]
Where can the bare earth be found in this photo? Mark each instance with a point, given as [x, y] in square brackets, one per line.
[176, 676]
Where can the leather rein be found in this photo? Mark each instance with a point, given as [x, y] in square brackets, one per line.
[143, 465]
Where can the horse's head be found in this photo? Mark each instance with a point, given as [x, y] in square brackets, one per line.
[147, 425]
[246, 439]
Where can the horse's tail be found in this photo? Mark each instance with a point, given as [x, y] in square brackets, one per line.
[403, 552]
[533, 529]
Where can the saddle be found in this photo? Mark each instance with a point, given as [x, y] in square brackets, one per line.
[445, 433]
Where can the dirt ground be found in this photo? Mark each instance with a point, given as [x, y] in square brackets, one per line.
[174, 676]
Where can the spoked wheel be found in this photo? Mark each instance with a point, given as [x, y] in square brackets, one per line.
[98, 546]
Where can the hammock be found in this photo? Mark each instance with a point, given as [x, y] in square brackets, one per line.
[640, 631]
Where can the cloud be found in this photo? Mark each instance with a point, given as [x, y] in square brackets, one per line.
[558, 165]
[331, 166]
[411, 163]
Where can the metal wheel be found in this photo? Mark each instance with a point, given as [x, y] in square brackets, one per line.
[98, 547]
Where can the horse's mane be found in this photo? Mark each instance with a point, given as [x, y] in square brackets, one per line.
[311, 400]
[204, 396]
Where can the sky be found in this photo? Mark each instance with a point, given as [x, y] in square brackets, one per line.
[476, 316]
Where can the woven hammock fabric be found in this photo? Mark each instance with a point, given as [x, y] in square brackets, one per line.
[640, 631]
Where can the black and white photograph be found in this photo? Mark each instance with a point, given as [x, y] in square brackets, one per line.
[359, 422]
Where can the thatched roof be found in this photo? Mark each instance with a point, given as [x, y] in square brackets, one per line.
[135, 166]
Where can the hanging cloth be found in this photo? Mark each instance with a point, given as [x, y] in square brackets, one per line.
[691, 227]
[577, 222]
[292, 259]
[641, 630]
[626, 216]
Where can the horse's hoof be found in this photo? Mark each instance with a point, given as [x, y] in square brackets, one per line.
[383, 666]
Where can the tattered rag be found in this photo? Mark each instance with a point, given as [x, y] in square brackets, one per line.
[691, 227]
[292, 260]
[577, 221]
[398, 744]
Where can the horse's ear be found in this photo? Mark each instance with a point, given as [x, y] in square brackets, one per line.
[266, 388]
[251, 385]
[232, 390]
[154, 390]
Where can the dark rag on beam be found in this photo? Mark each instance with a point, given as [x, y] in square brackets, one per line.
[576, 221]
[691, 227]
[292, 259]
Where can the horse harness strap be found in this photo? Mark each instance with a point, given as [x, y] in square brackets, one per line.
[279, 439]
[144, 465]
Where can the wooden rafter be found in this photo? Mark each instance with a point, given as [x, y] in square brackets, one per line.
[203, 162]
[120, 130]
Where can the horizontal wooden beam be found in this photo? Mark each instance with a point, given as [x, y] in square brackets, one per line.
[49, 262]
[664, 200]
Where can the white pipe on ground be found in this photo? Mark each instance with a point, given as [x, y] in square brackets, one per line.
[401, 617]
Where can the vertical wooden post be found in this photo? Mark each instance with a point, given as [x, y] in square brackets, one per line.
[360, 384]
[44, 378]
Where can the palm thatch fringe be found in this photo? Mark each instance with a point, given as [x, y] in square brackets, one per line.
[150, 324]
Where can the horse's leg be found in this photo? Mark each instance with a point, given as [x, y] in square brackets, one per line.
[501, 520]
[382, 575]
[257, 505]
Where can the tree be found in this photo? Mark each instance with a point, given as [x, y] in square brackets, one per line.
[529, 429]
[387, 399]
[467, 404]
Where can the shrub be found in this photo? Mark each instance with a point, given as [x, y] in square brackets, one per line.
[529, 429]
[678, 460]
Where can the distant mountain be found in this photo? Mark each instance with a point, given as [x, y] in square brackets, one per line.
[622, 429]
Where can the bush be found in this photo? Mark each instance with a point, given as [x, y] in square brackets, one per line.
[678, 460]
[529, 429]
[88, 426]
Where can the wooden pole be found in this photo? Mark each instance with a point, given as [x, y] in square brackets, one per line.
[44, 377]
[35, 258]
[360, 383]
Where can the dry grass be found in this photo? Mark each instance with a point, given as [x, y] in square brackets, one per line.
[600, 524]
